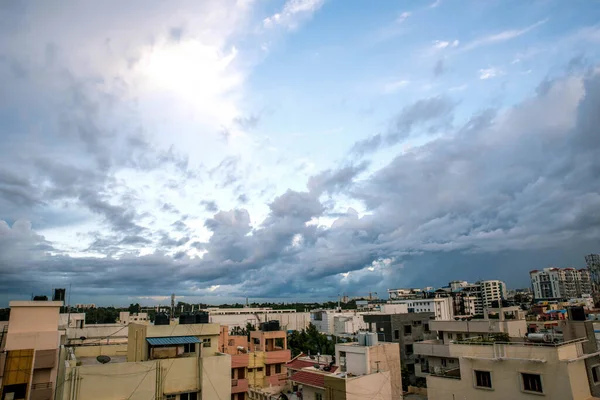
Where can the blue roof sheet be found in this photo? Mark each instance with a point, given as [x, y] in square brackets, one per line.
[171, 340]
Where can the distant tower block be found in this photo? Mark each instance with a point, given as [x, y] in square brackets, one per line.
[593, 264]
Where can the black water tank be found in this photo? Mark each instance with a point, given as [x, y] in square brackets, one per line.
[161, 319]
[187, 319]
[201, 317]
[59, 295]
[576, 313]
[274, 325]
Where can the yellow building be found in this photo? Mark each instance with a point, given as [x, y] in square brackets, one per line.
[29, 363]
[513, 370]
[165, 362]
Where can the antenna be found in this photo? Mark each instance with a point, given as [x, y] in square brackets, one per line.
[172, 305]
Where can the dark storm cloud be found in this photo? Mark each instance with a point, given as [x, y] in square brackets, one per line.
[431, 115]
[506, 191]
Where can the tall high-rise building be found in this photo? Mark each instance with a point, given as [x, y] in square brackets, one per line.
[493, 290]
[555, 283]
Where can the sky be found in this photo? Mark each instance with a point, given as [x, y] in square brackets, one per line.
[290, 150]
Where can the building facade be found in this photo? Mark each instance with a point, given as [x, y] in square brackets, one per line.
[441, 307]
[29, 362]
[492, 290]
[404, 329]
[557, 283]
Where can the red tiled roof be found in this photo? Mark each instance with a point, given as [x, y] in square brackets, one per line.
[309, 378]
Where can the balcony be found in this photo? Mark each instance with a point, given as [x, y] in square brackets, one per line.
[432, 348]
[239, 385]
[45, 359]
[41, 391]
[450, 373]
[278, 356]
[275, 380]
[240, 361]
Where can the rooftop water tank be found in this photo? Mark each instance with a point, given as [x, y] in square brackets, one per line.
[362, 338]
[371, 339]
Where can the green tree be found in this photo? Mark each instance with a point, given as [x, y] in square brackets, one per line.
[134, 308]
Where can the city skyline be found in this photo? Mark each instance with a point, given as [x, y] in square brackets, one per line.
[291, 150]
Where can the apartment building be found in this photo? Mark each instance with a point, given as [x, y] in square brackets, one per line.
[161, 362]
[556, 283]
[258, 366]
[324, 319]
[492, 290]
[512, 370]
[361, 372]
[441, 307]
[433, 356]
[29, 361]
[404, 329]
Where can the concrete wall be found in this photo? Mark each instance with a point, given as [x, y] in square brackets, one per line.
[95, 332]
[387, 357]
[101, 350]
[374, 386]
[288, 321]
[138, 380]
[216, 377]
[308, 392]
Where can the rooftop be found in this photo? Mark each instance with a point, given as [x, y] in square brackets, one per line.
[32, 303]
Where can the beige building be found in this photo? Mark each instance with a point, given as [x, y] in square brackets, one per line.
[434, 355]
[362, 372]
[166, 362]
[512, 370]
[289, 319]
[29, 363]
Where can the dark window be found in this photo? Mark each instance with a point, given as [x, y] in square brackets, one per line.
[268, 371]
[407, 329]
[396, 334]
[189, 396]
[459, 336]
[206, 342]
[409, 349]
[532, 383]
[278, 368]
[189, 348]
[259, 369]
[416, 323]
[233, 374]
[410, 368]
[595, 373]
[483, 379]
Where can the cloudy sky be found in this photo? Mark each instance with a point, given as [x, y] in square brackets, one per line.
[294, 149]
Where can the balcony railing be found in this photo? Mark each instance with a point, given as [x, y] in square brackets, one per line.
[450, 373]
[41, 391]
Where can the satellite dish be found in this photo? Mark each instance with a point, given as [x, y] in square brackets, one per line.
[103, 359]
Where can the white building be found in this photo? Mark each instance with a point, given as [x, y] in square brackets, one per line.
[289, 319]
[126, 318]
[493, 290]
[441, 307]
[554, 283]
[348, 325]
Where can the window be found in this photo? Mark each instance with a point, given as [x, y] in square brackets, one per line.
[396, 334]
[268, 371]
[189, 396]
[532, 383]
[189, 348]
[483, 379]
[459, 336]
[318, 396]
[407, 329]
[596, 374]
[259, 369]
[426, 327]
[450, 336]
[409, 349]
[416, 323]
[451, 361]
[171, 397]
[278, 368]
[410, 368]
[444, 363]
[206, 342]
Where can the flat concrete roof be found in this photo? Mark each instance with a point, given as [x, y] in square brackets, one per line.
[31, 303]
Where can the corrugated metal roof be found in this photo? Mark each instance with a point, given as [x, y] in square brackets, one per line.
[172, 340]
